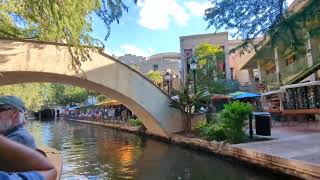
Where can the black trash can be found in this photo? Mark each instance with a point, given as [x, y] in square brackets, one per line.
[263, 123]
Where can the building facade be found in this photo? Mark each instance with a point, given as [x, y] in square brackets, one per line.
[132, 60]
[162, 62]
[232, 62]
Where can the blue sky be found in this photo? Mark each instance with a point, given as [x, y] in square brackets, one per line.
[154, 26]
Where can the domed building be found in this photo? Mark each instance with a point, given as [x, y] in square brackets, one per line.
[164, 62]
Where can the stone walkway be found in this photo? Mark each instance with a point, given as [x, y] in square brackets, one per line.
[293, 150]
[300, 147]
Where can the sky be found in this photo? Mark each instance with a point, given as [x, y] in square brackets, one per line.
[154, 26]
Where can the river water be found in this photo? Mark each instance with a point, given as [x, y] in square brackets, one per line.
[95, 152]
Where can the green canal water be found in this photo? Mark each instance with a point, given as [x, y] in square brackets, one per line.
[94, 152]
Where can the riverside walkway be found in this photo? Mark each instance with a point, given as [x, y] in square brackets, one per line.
[295, 149]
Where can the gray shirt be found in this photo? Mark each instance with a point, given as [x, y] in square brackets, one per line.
[21, 135]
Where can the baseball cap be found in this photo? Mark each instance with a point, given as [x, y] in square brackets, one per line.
[12, 101]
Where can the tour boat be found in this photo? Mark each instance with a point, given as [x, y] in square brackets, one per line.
[54, 156]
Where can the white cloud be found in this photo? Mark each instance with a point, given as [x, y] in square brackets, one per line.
[131, 49]
[197, 8]
[151, 50]
[156, 14]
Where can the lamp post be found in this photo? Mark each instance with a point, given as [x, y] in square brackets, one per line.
[167, 77]
[193, 66]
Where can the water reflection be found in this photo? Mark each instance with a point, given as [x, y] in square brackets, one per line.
[96, 152]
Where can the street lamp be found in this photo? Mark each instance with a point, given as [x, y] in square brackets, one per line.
[167, 77]
[193, 66]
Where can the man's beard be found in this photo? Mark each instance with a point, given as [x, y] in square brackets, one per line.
[5, 126]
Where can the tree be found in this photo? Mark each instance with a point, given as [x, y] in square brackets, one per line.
[33, 100]
[74, 95]
[209, 56]
[67, 95]
[187, 103]
[54, 94]
[48, 94]
[206, 53]
[155, 77]
[56, 20]
[250, 19]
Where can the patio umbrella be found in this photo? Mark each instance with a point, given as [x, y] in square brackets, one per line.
[242, 95]
[109, 103]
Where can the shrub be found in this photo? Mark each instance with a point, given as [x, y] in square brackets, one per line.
[229, 125]
[201, 126]
[219, 132]
[135, 122]
[233, 120]
[210, 131]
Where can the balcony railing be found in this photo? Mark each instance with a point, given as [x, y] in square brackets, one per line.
[316, 58]
[294, 69]
[271, 78]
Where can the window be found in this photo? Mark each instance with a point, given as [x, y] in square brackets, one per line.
[155, 67]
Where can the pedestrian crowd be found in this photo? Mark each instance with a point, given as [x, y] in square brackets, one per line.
[114, 114]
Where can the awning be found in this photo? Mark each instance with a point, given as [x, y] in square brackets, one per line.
[242, 95]
[108, 103]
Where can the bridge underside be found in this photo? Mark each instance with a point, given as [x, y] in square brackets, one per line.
[33, 61]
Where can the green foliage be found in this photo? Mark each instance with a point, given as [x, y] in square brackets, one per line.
[34, 95]
[251, 19]
[56, 94]
[74, 95]
[234, 118]
[230, 125]
[211, 131]
[70, 95]
[207, 52]
[155, 77]
[223, 86]
[247, 19]
[37, 95]
[209, 56]
[56, 20]
[290, 31]
[101, 97]
[200, 126]
[135, 122]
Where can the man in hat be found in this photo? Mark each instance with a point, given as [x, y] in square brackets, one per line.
[19, 162]
[11, 121]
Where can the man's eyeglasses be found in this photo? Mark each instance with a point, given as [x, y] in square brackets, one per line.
[2, 109]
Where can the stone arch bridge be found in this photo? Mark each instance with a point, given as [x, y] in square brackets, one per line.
[35, 61]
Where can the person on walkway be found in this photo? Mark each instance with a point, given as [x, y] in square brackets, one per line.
[23, 163]
[124, 115]
[111, 113]
[12, 121]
